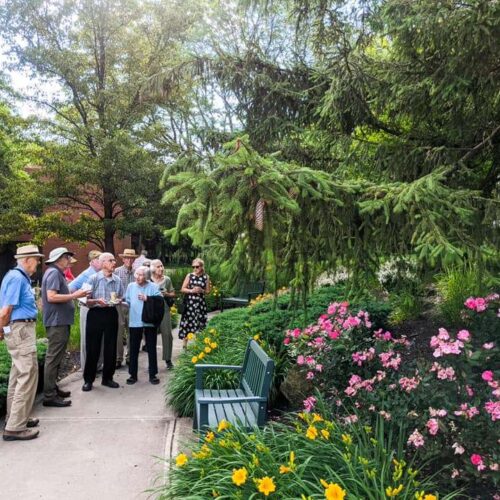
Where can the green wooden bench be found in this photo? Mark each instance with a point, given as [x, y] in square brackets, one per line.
[247, 292]
[245, 406]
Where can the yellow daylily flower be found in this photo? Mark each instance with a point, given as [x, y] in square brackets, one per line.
[239, 476]
[181, 460]
[209, 437]
[347, 439]
[208, 350]
[266, 485]
[334, 492]
[392, 492]
[312, 432]
[213, 345]
[223, 425]
[194, 359]
[325, 434]
[284, 469]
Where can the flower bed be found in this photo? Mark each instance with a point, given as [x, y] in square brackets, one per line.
[451, 399]
[309, 456]
[264, 321]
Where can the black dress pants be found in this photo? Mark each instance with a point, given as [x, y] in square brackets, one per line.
[135, 345]
[102, 322]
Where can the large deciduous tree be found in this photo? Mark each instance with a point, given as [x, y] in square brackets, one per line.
[98, 54]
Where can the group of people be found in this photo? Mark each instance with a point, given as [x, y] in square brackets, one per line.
[112, 303]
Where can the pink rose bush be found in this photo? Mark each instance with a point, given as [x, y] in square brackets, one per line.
[450, 399]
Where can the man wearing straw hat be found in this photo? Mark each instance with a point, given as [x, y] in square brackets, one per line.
[126, 275]
[18, 313]
[58, 316]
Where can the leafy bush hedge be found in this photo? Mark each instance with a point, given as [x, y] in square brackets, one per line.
[265, 321]
[41, 349]
[309, 457]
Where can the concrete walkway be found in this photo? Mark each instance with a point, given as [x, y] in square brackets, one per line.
[106, 445]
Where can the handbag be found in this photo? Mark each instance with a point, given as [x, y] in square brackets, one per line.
[170, 301]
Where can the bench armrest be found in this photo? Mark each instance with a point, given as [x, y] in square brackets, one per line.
[199, 369]
[234, 399]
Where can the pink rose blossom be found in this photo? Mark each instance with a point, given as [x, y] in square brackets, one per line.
[310, 375]
[437, 413]
[446, 374]
[489, 345]
[487, 376]
[469, 390]
[409, 384]
[351, 419]
[300, 360]
[476, 304]
[432, 426]
[319, 368]
[459, 450]
[416, 439]
[493, 409]
[477, 460]
[309, 403]
[463, 335]
[455, 473]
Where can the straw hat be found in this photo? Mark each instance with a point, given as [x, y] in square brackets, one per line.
[129, 252]
[28, 251]
[94, 254]
[57, 253]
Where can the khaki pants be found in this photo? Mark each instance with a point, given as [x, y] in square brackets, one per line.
[23, 380]
[58, 340]
[123, 333]
[166, 335]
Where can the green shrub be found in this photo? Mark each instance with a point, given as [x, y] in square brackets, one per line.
[41, 350]
[454, 287]
[74, 336]
[309, 456]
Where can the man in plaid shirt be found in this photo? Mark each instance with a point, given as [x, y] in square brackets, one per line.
[106, 293]
[126, 274]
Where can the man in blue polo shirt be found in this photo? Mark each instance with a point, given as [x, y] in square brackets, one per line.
[18, 314]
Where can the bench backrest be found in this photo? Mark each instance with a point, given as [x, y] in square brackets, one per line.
[252, 287]
[257, 374]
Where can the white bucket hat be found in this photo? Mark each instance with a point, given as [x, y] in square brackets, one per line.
[57, 253]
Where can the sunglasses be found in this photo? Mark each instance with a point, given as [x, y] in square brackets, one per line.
[195, 267]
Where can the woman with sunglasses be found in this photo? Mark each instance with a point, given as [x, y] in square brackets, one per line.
[195, 286]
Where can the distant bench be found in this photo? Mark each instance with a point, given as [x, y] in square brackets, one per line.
[246, 293]
[245, 406]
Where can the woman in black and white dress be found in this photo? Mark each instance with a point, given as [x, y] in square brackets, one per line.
[195, 286]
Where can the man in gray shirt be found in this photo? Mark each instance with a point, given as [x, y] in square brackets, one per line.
[58, 316]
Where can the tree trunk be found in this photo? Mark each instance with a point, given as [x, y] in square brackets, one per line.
[109, 236]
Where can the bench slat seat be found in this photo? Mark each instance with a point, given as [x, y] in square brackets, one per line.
[244, 406]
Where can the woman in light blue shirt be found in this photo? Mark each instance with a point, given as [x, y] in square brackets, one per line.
[137, 293]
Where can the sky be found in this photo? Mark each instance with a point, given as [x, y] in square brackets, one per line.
[22, 83]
